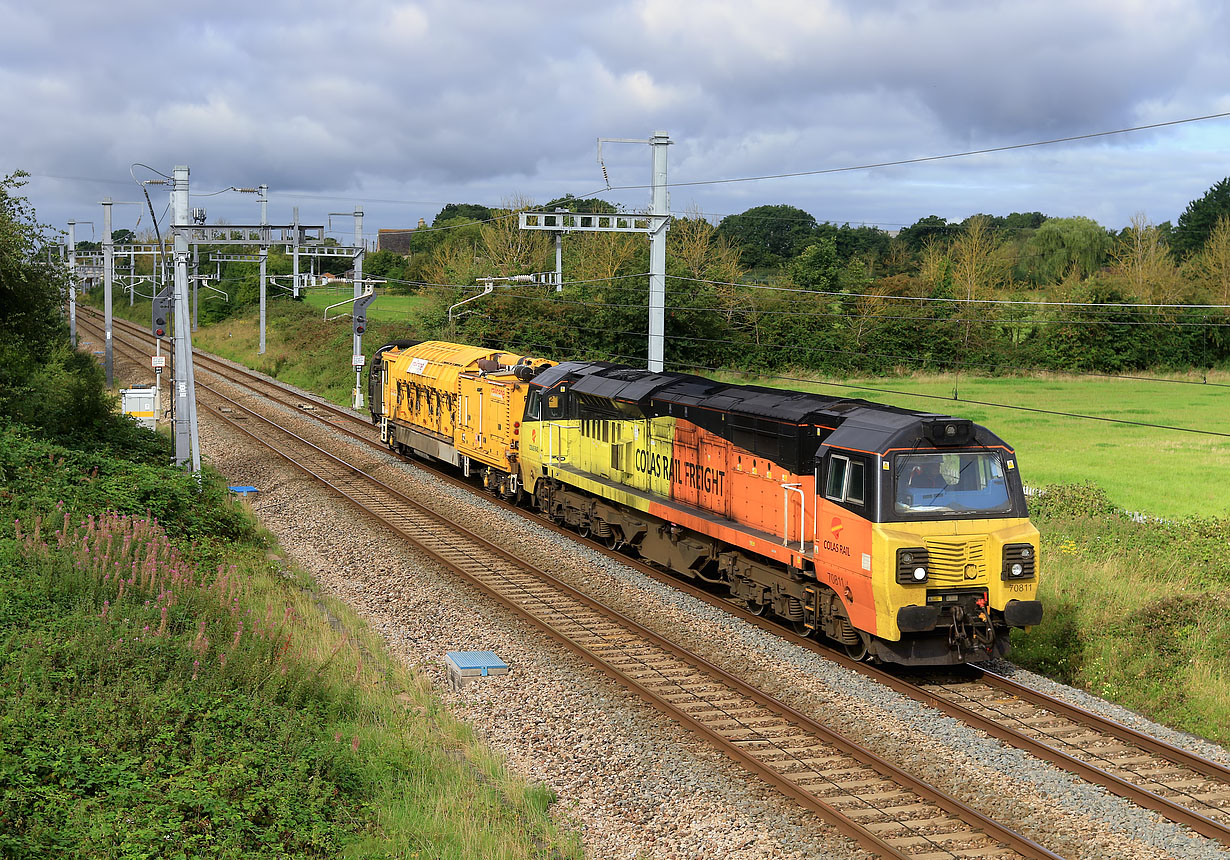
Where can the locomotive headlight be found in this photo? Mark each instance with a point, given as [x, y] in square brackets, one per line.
[912, 565]
[1020, 560]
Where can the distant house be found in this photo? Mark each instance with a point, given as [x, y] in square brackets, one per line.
[397, 241]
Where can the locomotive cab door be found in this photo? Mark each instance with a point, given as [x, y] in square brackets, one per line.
[555, 411]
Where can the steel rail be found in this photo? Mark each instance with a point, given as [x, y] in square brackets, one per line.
[1168, 808]
[864, 837]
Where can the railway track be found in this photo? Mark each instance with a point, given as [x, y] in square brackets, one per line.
[1181, 786]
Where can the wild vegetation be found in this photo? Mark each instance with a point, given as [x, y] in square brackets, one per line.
[1137, 612]
[173, 686]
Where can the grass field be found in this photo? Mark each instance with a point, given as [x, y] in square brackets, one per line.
[386, 308]
[1159, 472]
[1156, 471]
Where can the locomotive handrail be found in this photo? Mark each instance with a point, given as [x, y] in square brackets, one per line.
[796, 488]
[550, 439]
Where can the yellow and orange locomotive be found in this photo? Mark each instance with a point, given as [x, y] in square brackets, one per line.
[902, 535]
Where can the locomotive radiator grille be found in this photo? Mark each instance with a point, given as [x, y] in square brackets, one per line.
[957, 561]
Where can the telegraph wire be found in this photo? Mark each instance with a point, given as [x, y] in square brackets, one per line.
[914, 358]
[926, 158]
[934, 299]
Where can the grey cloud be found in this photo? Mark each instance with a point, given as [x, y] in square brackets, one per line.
[429, 101]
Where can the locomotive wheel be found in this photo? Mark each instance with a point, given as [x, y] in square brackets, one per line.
[613, 540]
[584, 531]
[857, 651]
[756, 608]
[800, 628]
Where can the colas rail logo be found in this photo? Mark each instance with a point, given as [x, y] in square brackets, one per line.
[835, 545]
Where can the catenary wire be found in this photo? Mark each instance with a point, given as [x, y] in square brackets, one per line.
[932, 361]
[926, 158]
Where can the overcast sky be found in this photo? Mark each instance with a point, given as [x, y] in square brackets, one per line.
[401, 108]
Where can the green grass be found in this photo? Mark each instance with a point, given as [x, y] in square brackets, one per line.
[174, 698]
[386, 308]
[1164, 473]
[1138, 613]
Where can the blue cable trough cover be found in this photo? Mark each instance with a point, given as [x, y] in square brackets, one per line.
[243, 491]
[476, 663]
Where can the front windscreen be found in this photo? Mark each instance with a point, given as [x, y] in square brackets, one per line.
[945, 484]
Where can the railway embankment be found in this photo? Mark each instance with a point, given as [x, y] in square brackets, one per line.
[175, 687]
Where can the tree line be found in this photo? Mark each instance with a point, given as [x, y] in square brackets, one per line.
[772, 289]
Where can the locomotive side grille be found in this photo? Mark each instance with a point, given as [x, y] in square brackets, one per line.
[957, 561]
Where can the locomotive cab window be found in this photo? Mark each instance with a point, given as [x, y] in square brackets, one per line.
[847, 480]
[533, 406]
[556, 404]
[970, 482]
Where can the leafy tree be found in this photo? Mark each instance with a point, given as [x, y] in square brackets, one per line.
[44, 382]
[123, 237]
[1063, 244]
[31, 290]
[1143, 261]
[869, 244]
[1023, 221]
[819, 267]
[506, 248]
[1200, 218]
[585, 206]
[698, 251]
[468, 211]
[384, 264]
[1211, 267]
[978, 268]
[924, 230]
[768, 236]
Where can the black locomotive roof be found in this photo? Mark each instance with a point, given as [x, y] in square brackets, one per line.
[857, 424]
[571, 370]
